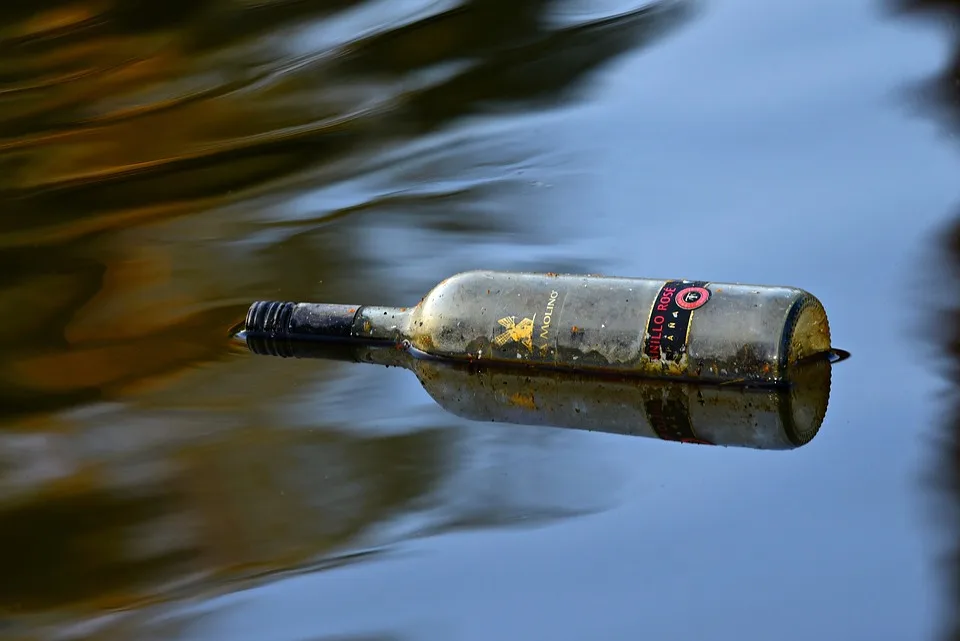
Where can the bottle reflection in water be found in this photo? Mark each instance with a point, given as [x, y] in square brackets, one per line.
[761, 417]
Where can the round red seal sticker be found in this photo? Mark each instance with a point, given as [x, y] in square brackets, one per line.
[692, 297]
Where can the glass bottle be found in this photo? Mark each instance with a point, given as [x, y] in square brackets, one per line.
[674, 329]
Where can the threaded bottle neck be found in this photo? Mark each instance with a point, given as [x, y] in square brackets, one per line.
[281, 328]
[268, 317]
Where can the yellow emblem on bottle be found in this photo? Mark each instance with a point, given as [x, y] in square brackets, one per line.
[521, 332]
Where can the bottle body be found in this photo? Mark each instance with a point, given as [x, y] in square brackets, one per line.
[674, 329]
[691, 330]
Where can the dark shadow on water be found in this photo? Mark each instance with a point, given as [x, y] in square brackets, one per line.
[163, 164]
[940, 96]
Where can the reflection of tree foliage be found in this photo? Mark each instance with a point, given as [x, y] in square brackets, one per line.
[945, 476]
[257, 502]
[511, 61]
[40, 284]
[944, 90]
[112, 114]
[72, 546]
[943, 93]
[115, 115]
[296, 117]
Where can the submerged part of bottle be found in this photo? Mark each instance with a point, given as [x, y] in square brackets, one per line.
[677, 329]
[763, 418]
[774, 418]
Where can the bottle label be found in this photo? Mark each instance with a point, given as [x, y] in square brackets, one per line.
[669, 321]
[581, 322]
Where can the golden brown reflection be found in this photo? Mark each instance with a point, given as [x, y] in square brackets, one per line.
[161, 165]
[143, 149]
[110, 522]
[136, 119]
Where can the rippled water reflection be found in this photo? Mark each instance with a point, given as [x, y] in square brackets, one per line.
[164, 164]
[941, 96]
[161, 166]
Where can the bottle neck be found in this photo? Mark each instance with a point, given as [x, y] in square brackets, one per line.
[382, 324]
[278, 323]
[347, 351]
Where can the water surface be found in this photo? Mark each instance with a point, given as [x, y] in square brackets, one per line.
[162, 165]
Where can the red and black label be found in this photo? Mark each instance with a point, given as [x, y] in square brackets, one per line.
[669, 320]
[670, 419]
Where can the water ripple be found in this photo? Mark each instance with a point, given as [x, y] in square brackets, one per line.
[161, 165]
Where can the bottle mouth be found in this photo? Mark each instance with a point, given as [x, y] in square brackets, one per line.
[268, 317]
[265, 327]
